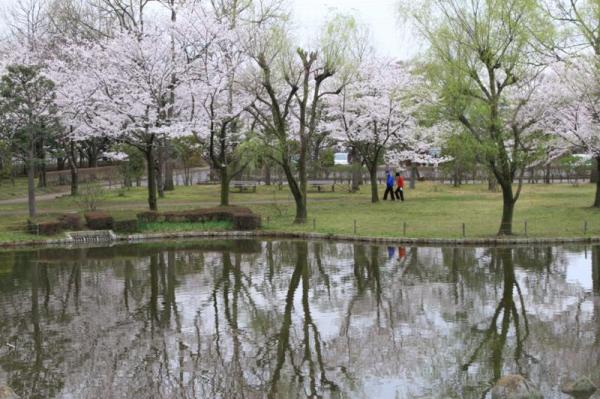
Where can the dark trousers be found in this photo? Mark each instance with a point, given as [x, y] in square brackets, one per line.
[400, 194]
[389, 190]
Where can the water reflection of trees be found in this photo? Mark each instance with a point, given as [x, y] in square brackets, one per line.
[291, 319]
[509, 313]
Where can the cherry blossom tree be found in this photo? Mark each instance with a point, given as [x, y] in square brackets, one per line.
[573, 90]
[375, 112]
[130, 81]
[214, 40]
[74, 112]
[420, 147]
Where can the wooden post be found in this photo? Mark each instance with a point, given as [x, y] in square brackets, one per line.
[464, 230]
[354, 226]
[585, 227]
[526, 228]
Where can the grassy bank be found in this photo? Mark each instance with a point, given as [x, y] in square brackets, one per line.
[437, 211]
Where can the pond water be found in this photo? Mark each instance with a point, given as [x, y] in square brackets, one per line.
[287, 319]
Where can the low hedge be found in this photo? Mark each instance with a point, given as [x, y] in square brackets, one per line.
[45, 228]
[70, 221]
[99, 220]
[246, 222]
[241, 218]
[149, 217]
[126, 226]
[52, 225]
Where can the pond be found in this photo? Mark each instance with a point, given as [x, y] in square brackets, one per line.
[287, 319]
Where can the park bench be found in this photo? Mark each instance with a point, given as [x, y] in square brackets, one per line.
[244, 185]
[319, 184]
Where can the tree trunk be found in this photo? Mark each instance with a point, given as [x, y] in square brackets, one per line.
[74, 178]
[82, 158]
[42, 166]
[299, 195]
[356, 170]
[455, 177]
[168, 183]
[301, 211]
[31, 183]
[60, 163]
[42, 183]
[374, 188]
[152, 203]
[413, 175]
[508, 207]
[92, 160]
[597, 201]
[492, 184]
[159, 165]
[267, 169]
[224, 187]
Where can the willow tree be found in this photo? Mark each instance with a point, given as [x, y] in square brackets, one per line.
[485, 66]
[290, 86]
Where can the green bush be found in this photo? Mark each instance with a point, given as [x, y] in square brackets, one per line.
[149, 217]
[240, 218]
[126, 226]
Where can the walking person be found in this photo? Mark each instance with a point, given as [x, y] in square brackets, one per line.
[389, 186]
[399, 186]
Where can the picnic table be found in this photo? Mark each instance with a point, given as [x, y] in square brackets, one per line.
[319, 184]
[244, 185]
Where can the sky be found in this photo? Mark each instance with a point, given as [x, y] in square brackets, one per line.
[390, 36]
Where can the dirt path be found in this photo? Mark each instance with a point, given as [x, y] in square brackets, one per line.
[142, 206]
[43, 197]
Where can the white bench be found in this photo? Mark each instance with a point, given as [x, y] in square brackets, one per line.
[318, 184]
[244, 185]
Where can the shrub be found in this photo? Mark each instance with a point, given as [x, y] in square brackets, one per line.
[241, 218]
[99, 220]
[46, 228]
[90, 196]
[70, 221]
[126, 226]
[244, 221]
[149, 217]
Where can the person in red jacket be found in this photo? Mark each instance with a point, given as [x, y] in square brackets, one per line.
[399, 186]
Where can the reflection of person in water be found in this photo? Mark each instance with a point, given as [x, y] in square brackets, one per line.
[401, 253]
[391, 252]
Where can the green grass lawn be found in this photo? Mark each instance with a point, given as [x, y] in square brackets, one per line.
[431, 210]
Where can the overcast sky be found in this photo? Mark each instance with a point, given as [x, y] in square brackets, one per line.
[390, 35]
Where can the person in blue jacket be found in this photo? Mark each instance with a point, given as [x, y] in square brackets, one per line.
[389, 186]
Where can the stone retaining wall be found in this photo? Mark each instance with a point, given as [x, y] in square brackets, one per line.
[493, 241]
